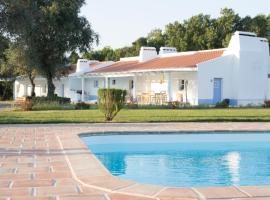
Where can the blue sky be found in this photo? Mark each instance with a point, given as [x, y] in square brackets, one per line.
[120, 22]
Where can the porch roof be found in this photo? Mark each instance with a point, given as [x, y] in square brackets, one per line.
[178, 61]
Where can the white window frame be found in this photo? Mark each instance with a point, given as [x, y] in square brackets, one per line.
[181, 84]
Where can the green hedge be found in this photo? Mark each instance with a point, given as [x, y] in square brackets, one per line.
[48, 100]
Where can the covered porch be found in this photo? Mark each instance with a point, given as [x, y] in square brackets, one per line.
[156, 88]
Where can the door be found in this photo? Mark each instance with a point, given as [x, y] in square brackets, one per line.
[217, 90]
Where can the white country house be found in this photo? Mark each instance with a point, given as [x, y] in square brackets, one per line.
[239, 72]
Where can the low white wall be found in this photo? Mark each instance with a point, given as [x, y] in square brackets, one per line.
[21, 85]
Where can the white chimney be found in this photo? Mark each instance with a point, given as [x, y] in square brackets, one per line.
[83, 65]
[147, 53]
[166, 50]
[246, 41]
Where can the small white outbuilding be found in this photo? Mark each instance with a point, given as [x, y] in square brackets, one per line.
[239, 73]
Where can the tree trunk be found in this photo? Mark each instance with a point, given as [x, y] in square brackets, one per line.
[51, 86]
[33, 85]
[5, 90]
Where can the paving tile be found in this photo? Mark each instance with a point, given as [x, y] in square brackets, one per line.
[62, 190]
[127, 197]
[143, 189]
[255, 198]
[113, 183]
[90, 191]
[51, 175]
[4, 183]
[32, 183]
[249, 198]
[32, 198]
[173, 193]
[19, 192]
[12, 176]
[257, 191]
[84, 197]
[221, 192]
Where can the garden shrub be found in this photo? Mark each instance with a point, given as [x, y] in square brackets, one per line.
[223, 104]
[26, 103]
[267, 103]
[111, 101]
[53, 106]
[132, 105]
[53, 99]
[82, 106]
[46, 103]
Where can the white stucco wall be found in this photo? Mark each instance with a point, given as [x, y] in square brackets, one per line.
[221, 67]
[243, 68]
[22, 84]
[251, 70]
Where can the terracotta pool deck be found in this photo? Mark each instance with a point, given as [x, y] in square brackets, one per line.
[51, 162]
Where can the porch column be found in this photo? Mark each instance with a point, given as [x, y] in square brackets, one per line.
[82, 89]
[169, 86]
[134, 87]
[107, 82]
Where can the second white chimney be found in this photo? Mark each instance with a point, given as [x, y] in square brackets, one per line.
[166, 50]
[147, 53]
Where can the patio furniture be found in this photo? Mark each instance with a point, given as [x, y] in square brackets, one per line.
[139, 98]
[145, 98]
[164, 97]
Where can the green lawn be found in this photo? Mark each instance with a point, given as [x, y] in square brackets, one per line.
[140, 115]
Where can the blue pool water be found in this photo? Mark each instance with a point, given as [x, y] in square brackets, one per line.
[214, 159]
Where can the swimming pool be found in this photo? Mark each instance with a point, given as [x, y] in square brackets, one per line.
[186, 160]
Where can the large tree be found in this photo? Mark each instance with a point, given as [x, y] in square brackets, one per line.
[19, 63]
[49, 29]
[156, 38]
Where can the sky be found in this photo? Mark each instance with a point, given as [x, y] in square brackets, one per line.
[120, 22]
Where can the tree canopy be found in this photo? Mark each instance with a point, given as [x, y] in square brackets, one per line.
[200, 32]
[49, 29]
[5, 72]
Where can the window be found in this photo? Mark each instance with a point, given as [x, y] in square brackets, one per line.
[182, 85]
[96, 85]
[113, 82]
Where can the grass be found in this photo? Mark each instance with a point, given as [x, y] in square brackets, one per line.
[138, 115]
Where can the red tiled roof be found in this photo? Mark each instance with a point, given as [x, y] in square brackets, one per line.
[170, 62]
[119, 67]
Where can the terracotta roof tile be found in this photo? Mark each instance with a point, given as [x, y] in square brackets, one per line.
[119, 67]
[167, 62]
